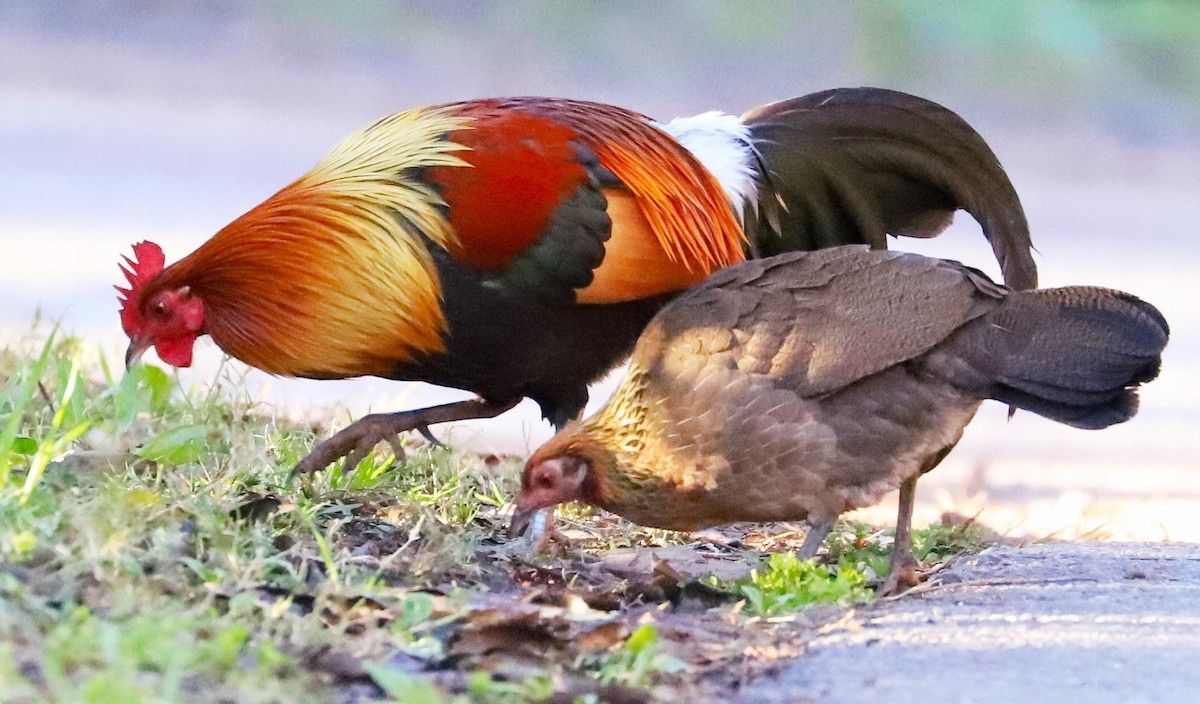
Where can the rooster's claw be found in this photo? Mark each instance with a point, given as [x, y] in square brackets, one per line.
[357, 440]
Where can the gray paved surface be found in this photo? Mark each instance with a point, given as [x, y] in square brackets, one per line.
[1074, 622]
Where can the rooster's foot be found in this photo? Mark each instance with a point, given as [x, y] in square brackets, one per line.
[357, 440]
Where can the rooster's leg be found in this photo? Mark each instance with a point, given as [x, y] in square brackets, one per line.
[355, 441]
[903, 573]
[817, 532]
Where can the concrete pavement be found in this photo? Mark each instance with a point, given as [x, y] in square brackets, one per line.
[1060, 622]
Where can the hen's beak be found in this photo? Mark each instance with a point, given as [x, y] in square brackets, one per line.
[537, 523]
[521, 520]
[137, 348]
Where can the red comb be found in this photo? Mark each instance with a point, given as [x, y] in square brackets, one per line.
[147, 261]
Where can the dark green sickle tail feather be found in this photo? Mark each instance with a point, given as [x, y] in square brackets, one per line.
[851, 165]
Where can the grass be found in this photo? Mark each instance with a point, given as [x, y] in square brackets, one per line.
[167, 557]
[867, 550]
[786, 584]
[153, 548]
[637, 661]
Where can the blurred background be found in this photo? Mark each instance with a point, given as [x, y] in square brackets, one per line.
[165, 119]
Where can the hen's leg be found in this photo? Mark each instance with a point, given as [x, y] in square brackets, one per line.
[903, 573]
[355, 441]
[817, 532]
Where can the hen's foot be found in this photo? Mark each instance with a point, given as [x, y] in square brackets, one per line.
[817, 532]
[903, 573]
[901, 577]
[355, 441]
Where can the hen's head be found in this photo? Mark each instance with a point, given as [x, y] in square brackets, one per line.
[552, 481]
[157, 315]
[570, 467]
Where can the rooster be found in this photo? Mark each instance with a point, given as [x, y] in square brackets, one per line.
[809, 384]
[517, 247]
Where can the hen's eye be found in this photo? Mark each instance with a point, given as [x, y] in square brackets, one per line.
[159, 309]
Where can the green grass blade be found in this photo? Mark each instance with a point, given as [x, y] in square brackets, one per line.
[28, 388]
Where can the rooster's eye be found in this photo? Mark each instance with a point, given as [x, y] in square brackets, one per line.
[159, 309]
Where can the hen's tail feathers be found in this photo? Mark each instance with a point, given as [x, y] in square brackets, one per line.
[851, 165]
[1074, 355]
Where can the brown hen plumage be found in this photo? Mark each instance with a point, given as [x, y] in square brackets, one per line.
[808, 384]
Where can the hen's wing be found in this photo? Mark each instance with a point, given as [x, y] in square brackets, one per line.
[814, 322]
[740, 384]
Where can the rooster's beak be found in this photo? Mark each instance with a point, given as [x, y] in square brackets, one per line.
[137, 348]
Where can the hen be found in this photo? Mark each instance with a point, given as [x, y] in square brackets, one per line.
[517, 247]
[809, 384]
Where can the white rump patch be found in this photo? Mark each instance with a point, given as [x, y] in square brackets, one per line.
[722, 143]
